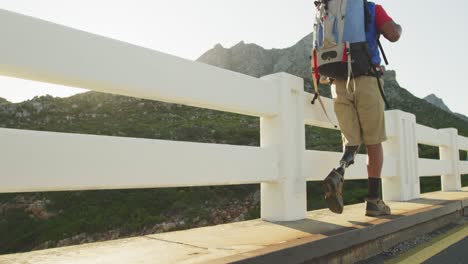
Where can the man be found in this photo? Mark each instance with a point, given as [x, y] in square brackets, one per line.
[359, 107]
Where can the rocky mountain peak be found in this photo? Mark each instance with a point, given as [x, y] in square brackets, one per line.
[243, 57]
[240, 44]
[433, 99]
[439, 103]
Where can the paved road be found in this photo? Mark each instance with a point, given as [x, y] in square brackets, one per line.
[456, 253]
[450, 248]
[448, 245]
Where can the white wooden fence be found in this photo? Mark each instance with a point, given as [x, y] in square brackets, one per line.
[43, 161]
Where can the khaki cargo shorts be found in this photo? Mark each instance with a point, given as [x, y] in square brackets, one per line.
[360, 111]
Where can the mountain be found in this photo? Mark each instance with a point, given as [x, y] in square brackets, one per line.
[44, 220]
[256, 61]
[433, 99]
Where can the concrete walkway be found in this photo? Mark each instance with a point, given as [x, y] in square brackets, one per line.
[258, 241]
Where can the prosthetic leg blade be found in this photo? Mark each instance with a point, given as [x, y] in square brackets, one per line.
[349, 154]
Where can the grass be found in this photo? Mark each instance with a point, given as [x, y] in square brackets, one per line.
[464, 180]
[430, 184]
[94, 212]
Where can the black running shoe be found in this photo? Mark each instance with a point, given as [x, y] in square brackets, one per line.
[333, 188]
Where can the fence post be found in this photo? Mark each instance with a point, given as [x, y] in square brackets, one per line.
[402, 145]
[452, 181]
[285, 199]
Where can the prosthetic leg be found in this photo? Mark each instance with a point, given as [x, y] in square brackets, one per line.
[333, 183]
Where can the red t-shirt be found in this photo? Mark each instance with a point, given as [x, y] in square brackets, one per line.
[381, 17]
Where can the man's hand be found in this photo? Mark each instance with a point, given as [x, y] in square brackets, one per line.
[391, 31]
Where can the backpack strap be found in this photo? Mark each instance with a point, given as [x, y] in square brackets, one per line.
[377, 76]
[341, 20]
[367, 21]
[350, 68]
[367, 16]
[383, 52]
[315, 80]
[380, 87]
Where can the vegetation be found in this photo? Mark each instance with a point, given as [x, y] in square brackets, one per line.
[97, 212]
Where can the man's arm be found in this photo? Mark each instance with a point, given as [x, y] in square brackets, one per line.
[391, 31]
[386, 25]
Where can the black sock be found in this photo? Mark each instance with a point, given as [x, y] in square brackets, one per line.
[374, 188]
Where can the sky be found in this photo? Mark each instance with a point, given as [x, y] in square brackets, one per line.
[429, 58]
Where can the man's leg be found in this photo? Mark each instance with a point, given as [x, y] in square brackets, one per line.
[374, 169]
[374, 204]
[370, 107]
[375, 160]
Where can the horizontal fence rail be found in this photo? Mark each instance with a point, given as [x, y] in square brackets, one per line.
[463, 167]
[463, 143]
[432, 167]
[44, 161]
[430, 136]
[42, 51]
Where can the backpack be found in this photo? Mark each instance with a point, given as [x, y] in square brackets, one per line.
[340, 44]
[341, 49]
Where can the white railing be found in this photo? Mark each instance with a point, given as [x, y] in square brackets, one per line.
[44, 161]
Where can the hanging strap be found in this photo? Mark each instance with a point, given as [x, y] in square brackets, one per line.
[377, 76]
[315, 74]
[315, 80]
[367, 16]
[350, 67]
[383, 52]
[348, 58]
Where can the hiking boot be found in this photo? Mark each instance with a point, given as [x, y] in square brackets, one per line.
[333, 188]
[376, 207]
